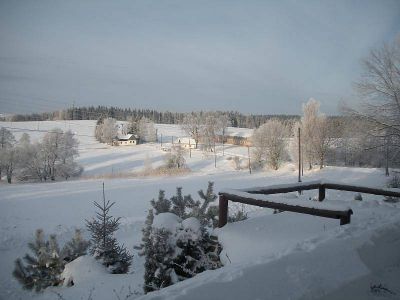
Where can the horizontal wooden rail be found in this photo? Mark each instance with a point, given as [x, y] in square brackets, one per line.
[247, 197]
[342, 214]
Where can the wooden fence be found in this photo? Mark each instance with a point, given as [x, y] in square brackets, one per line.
[246, 196]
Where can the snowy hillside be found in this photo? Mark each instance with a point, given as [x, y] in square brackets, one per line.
[268, 256]
[100, 159]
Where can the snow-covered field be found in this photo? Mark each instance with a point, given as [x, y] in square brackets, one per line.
[268, 256]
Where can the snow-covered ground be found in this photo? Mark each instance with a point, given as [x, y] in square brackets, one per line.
[101, 159]
[268, 256]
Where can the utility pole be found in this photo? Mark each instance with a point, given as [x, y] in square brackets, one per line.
[223, 142]
[387, 155]
[161, 140]
[190, 149]
[248, 154]
[299, 140]
[215, 156]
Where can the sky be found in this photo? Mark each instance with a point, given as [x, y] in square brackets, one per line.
[263, 57]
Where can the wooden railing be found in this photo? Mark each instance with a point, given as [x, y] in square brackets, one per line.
[249, 196]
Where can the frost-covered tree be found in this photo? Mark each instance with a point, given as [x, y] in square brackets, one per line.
[104, 245]
[146, 130]
[192, 124]
[176, 158]
[270, 143]
[52, 158]
[109, 130]
[379, 93]
[159, 271]
[213, 129]
[7, 141]
[316, 134]
[43, 267]
[75, 248]
[308, 130]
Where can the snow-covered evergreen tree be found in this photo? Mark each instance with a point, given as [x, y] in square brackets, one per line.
[175, 249]
[76, 247]
[104, 245]
[162, 204]
[146, 231]
[43, 267]
[159, 271]
[180, 203]
[203, 211]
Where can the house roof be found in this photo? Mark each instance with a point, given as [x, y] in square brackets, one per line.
[128, 137]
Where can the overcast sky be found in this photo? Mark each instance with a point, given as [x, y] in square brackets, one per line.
[262, 57]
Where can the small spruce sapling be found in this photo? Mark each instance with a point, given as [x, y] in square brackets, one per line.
[44, 267]
[104, 245]
[76, 247]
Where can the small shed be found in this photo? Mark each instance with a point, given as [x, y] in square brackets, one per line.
[127, 140]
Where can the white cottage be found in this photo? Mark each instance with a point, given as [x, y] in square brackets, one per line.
[127, 140]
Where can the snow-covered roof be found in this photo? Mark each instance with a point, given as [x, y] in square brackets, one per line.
[127, 137]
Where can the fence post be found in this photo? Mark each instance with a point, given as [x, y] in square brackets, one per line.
[346, 220]
[223, 211]
[321, 193]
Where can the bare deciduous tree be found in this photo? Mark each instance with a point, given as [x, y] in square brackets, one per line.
[270, 141]
[192, 124]
[379, 90]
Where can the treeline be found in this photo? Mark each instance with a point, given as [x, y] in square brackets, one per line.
[237, 119]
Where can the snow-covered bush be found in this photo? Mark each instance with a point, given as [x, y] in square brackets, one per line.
[174, 249]
[104, 245]
[43, 267]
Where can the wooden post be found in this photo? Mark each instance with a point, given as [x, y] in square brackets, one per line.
[161, 140]
[190, 149]
[321, 193]
[346, 220]
[223, 211]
